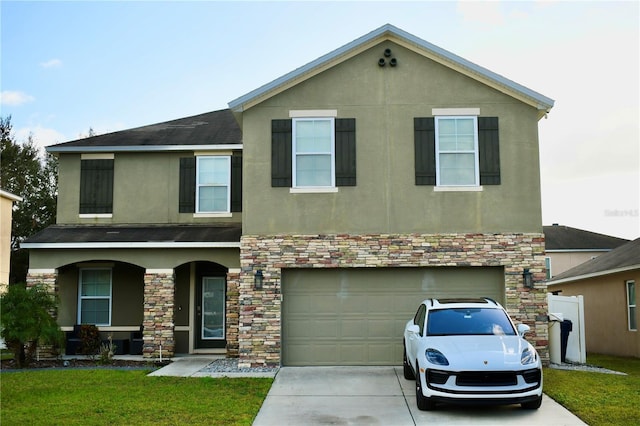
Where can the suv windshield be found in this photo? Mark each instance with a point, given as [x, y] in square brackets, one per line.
[469, 321]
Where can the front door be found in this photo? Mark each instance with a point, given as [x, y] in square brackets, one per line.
[210, 313]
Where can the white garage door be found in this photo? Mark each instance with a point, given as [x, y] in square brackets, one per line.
[357, 316]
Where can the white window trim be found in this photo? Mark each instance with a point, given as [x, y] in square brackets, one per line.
[629, 305]
[474, 152]
[81, 298]
[199, 213]
[294, 154]
[95, 215]
[313, 190]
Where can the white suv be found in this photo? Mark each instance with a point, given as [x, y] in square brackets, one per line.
[469, 351]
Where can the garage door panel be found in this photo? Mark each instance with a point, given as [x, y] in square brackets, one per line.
[357, 316]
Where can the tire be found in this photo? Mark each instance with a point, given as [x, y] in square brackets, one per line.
[532, 405]
[424, 403]
[408, 372]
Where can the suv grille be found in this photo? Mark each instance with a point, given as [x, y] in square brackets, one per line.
[486, 378]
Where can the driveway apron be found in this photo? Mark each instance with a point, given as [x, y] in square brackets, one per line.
[380, 396]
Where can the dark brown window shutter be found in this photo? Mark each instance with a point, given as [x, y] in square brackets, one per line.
[425, 150]
[187, 195]
[236, 182]
[345, 152]
[281, 146]
[489, 150]
[96, 186]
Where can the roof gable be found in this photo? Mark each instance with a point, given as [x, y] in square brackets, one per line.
[407, 40]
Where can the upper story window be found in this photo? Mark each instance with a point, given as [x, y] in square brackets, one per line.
[631, 305]
[94, 304]
[457, 151]
[313, 145]
[313, 150]
[213, 184]
[96, 184]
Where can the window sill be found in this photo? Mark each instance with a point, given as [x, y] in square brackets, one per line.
[225, 214]
[457, 189]
[95, 215]
[313, 190]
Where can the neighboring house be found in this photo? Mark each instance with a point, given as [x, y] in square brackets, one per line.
[608, 284]
[305, 224]
[566, 247]
[6, 213]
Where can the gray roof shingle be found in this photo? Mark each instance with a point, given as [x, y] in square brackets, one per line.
[559, 237]
[211, 128]
[78, 234]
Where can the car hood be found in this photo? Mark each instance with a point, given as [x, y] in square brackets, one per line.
[481, 352]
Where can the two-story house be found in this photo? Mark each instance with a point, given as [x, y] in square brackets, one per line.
[304, 225]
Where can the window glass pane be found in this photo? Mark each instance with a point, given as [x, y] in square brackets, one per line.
[212, 199]
[94, 311]
[213, 170]
[456, 134]
[313, 170]
[633, 325]
[457, 169]
[313, 136]
[96, 282]
[631, 286]
[213, 302]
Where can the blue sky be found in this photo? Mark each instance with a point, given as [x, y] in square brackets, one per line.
[70, 66]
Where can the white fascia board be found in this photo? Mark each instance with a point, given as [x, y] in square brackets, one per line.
[143, 148]
[593, 275]
[10, 196]
[136, 245]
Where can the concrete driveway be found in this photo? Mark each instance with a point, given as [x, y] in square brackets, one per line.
[380, 396]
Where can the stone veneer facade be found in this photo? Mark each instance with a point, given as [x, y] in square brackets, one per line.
[258, 330]
[157, 335]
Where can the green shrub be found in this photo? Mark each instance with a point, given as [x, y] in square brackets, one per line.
[89, 340]
[26, 317]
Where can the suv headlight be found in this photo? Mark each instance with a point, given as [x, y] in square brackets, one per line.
[434, 356]
[528, 356]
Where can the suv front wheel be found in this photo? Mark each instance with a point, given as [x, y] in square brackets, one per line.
[424, 403]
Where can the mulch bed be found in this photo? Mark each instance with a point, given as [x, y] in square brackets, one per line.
[83, 363]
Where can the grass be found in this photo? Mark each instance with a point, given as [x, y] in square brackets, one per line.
[598, 398]
[92, 397]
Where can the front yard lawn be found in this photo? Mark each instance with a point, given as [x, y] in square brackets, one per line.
[598, 398]
[91, 397]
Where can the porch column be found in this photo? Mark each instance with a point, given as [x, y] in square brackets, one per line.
[48, 278]
[233, 312]
[157, 334]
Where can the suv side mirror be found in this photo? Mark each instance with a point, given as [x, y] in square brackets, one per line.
[523, 329]
[414, 328]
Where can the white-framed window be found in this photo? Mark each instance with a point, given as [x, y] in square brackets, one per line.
[631, 305]
[457, 151]
[94, 296]
[213, 183]
[313, 152]
[547, 264]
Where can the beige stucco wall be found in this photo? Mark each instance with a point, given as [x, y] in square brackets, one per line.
[146, 190]
[605, 312]
[6, 215]
[563, 261]
[384, 102]
[160, 258]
